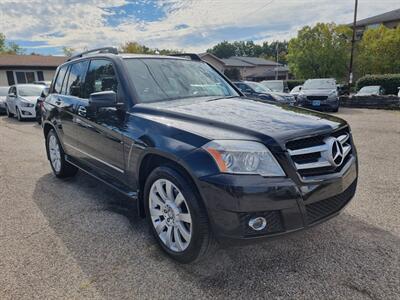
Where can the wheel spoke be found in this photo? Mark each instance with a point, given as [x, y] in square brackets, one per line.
[185, 218]
[179, 199]
[183, 231]
[178, 240]
[155, 212]
[155, 199]
[160, 190]
[160, 226]
[168, 237]
[169, 190]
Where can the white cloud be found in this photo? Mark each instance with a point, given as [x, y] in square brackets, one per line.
[81, 24]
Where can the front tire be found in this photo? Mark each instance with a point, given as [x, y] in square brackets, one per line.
[61, 168]
[19, 118]
[176, 215]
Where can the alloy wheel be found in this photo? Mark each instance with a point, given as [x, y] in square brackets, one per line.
[55, 154]
[170, 215]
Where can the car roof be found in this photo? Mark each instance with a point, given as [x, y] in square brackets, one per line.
[28, 84]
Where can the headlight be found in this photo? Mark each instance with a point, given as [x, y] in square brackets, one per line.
[27, 104]
[243, 157]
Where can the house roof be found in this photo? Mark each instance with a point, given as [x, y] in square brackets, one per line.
[382, 18]
[210, 54]
[232, 62]
[256, 61]
[10, 60]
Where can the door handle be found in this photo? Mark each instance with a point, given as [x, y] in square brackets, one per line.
[82, 111]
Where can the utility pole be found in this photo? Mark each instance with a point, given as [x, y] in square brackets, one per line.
[353, 41]
[276, 67]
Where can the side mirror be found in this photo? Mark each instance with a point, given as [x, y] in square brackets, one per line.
[103, 99]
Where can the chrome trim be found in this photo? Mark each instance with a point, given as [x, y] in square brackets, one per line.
[343, 138]
[319, 164]
[95, 158]
[308, 150]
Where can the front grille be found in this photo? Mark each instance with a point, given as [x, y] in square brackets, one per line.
[317, 97]
[315, 155]
[274, 222]
[319, 210]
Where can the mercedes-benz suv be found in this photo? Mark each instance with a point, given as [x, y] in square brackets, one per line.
[202, 162]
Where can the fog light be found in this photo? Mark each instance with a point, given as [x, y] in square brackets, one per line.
[258, 223]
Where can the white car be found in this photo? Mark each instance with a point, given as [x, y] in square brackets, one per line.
[21, 100]
[3, 96]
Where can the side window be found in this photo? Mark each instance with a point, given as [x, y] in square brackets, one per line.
[76, 79]
[100, 77]
[59, 81]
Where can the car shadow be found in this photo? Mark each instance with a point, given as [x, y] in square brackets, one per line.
[344, 257]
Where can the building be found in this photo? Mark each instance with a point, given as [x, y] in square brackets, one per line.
[390, 19]
[27, 68]
[250, 68]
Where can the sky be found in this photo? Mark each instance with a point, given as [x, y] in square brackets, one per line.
[45, 26]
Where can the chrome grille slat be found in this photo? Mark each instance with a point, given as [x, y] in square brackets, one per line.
[317, 158]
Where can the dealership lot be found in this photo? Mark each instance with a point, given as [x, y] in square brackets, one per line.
[79, 239]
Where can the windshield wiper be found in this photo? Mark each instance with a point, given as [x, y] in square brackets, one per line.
[222, 97]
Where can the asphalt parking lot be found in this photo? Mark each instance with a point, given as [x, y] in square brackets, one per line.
[79, 239]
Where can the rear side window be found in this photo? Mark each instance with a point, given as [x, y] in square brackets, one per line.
[59, 81]
[100, 77]
[76, 79]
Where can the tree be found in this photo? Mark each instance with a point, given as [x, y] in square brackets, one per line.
[68, 51]
[379, 52]
[223, 50]
[135, 47]
[233, 74]
[10, 47]
[320, 51]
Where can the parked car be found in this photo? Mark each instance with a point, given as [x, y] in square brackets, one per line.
[255, 90]
[279, 86]
[343, 89]
[319, 94]
[39, 104]
[295, 91]
[43, 82]
[3, 96]
[21, 100]
[371, 90]
[203, 165]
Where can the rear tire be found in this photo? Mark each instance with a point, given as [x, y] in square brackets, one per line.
[176, 215]
[9, 114]
[61, 168]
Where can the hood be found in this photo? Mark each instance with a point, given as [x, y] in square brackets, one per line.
[31, 99]
[318, 92]
[239, 118]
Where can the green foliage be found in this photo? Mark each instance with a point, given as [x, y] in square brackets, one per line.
[390, 82]
[320, 51]
[9, 48]
[135, 47]
[226, 49]
[233, 73]
[292, 83]
[68, 51]
[379, 51]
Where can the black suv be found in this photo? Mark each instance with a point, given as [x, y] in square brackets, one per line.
[203, 162]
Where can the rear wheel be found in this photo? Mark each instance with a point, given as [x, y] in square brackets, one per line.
[9, 114]
[176, 216]
[61, 168]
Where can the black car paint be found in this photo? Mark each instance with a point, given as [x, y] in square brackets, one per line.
[127, 136]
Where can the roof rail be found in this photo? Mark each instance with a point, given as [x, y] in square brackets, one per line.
[192, 56]
[112, 50]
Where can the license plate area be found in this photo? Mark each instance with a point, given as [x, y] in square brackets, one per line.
[316, 103]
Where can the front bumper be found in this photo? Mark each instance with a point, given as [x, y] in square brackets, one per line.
[287, 206]
[27, 112]
[323, 104]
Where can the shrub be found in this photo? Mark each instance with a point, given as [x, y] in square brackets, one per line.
[390, 82]
[294, 82]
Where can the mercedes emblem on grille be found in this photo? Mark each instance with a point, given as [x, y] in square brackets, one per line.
[335, 152]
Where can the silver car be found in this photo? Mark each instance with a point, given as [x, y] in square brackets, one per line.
[3, 96]
[319, 94]
[21, 100]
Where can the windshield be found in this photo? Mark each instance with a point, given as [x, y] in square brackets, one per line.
[4, 91]
[258, 88]
[30, 90]
[276, 86]
[317, 84]
[159, 79]
[369, 89]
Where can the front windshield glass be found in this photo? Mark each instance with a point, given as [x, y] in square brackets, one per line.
[4, 91]
[273, 85]
[258, 88]
[159, 79]
[30, 90]
[369, 89]
[316, 84]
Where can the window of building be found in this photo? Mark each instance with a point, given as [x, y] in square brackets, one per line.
[100, 77]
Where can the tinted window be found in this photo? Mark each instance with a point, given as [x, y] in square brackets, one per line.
[100, 77]
[76, 78]
[60, 78]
